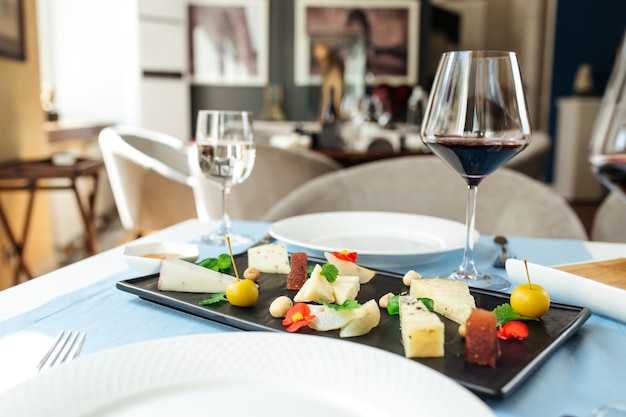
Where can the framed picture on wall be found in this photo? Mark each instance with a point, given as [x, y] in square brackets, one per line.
[228, 42]
[11, 29]
[387, 32]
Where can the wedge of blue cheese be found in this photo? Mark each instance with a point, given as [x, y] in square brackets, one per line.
[271, 258]
[423, 332]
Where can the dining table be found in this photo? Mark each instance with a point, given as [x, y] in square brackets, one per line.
[585, 372]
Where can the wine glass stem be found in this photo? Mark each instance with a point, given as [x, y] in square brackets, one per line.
[225, 223]
[467, 267]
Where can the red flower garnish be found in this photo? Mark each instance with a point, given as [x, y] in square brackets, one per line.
[513, 330]
[344, 255]
[298, 316]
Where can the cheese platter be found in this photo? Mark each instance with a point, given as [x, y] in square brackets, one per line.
[519, 359]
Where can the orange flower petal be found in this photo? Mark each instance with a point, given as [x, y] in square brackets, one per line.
[346, 255]
[513, 330]
[298, 316]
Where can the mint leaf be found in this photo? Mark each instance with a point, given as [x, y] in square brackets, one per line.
[218, 297]
[428, 302]
[220, 264]
[346, 305]
[505, 313]
[393, 304]
[210, 263]
[224, 263]
[330, 272]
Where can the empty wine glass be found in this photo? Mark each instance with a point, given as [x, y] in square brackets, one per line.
[608, 139]
[226, 154]
[476, 120]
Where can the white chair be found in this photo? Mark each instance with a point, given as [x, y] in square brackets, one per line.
[533, 160]
[149, 178]
[276, 172]
[508, 202]
[609, 222]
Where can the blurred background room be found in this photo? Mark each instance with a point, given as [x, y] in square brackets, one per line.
[69, 68]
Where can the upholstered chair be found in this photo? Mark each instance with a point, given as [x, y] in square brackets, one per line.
[609, 222]
[508, 202]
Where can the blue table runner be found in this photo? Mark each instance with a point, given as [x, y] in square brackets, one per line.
[562, 386]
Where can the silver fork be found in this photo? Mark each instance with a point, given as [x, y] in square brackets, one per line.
[500, 261]
[65, 347]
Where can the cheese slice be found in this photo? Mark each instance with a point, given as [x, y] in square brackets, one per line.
[422, 331]
[327, 318]
[271, 258]
[451, 297]
[179, 275]
[345, 288]
[314, 288]
[363, 324]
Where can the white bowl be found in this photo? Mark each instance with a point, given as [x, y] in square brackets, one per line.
[135, 255]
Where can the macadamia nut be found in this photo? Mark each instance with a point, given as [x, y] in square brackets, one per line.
[382, 302]
[251, 273]
[280, 306]
[462, 330]
[409, 276]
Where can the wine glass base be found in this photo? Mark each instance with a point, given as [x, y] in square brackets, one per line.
[484, 281]
[219, 239]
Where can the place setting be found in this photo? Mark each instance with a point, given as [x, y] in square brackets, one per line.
[389, 244]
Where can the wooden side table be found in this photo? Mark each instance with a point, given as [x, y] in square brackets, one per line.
[31, 176]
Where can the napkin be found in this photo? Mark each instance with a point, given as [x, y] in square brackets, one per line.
[601, 298]
[19, 355]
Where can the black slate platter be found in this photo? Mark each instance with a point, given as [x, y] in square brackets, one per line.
[519, 358]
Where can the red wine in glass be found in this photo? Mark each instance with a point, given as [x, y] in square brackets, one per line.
[608, 140]
[474, 159]
[611, 171]
[476, 120]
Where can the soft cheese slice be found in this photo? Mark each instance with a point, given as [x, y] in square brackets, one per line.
[350, 268]
[363, 324]
[314, 288]
[422, 331]
[327, 318]
[345, 288]
[271, 258]
[452, 298]
[184, 276]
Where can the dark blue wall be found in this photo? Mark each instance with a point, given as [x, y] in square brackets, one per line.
[587, 31]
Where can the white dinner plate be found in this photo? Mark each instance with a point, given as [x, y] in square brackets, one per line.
[242, 374]
[381, 239]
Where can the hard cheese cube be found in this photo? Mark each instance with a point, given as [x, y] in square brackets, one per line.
[422, 331]
[271, 258]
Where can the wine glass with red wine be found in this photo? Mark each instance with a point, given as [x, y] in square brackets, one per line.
[475, 121]
[608, 140]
